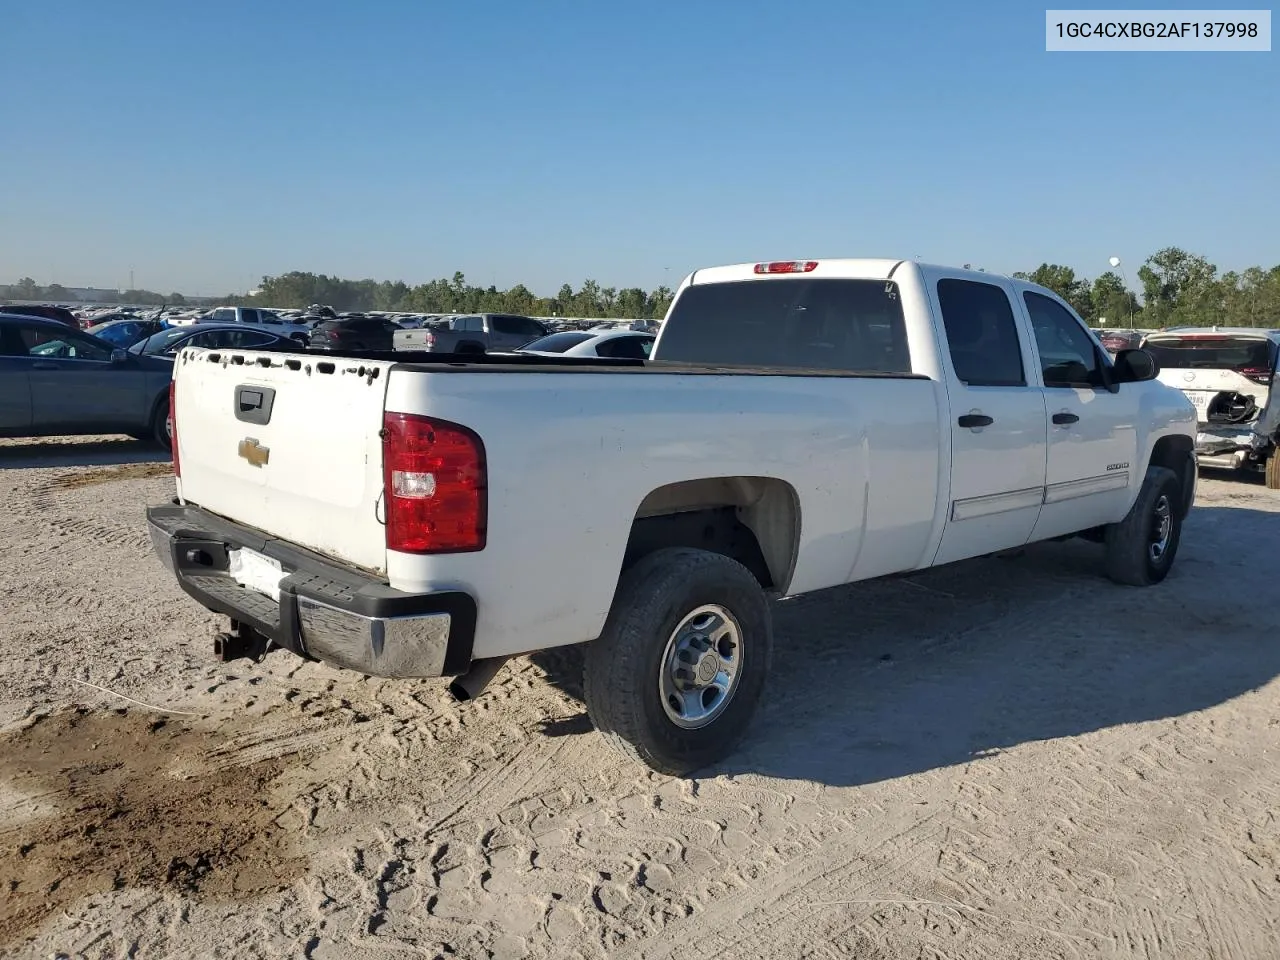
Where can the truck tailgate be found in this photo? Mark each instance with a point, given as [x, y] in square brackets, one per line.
[288, 444]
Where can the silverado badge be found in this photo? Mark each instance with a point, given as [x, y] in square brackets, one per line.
[254, 452]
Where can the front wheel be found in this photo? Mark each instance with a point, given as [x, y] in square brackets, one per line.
[1272, 474]
[674, 679]
[1141, 547]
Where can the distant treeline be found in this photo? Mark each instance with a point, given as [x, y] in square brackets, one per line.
[1178, 289]
[299, 289]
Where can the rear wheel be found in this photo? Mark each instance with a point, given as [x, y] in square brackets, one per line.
[161, 426]
[1142, 546]
[674, 679]
[1273, 470]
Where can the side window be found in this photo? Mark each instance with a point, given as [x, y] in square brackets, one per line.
[507, 325]
[223, 313]
[247, 339]
[1068, 355]
[528, 327]
[981, 334]
[210, 339]
[249, 316]
[636, 348]
[76, 348]
[471, 325]
[11, 342]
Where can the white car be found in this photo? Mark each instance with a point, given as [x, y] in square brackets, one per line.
[254, 316]
[803, 424]
[591, 343]
[1228, 373]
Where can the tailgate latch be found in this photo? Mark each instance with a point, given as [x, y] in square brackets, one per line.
[253, 404]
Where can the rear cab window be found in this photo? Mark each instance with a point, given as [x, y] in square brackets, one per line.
[847, 325]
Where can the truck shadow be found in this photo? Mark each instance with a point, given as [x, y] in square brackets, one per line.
[890, 678]
[66, 452]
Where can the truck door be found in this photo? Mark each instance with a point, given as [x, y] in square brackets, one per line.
[1093, 436]
[999, 429]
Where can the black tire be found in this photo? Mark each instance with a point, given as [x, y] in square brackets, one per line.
[624, 666]
[1273, 471]
[160, 422]
[1132, 558]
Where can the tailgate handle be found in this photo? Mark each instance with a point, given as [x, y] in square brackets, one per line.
[253, 404]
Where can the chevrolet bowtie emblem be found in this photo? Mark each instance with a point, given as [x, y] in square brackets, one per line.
[254, 452]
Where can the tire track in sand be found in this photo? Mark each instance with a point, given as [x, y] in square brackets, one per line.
[844, 858]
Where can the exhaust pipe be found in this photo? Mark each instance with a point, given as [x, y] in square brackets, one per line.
[472, 683]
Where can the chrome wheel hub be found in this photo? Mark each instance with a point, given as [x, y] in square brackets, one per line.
[700, 667]
[1161, 529]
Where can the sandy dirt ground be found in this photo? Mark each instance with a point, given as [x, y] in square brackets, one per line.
[1007, 758]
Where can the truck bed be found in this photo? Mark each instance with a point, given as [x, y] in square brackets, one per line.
[573, 449]
[436, 362]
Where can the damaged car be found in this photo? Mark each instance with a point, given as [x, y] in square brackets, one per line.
[1228, 374]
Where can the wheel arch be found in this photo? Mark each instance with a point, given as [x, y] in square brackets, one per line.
[1178, 453]
[754, 520]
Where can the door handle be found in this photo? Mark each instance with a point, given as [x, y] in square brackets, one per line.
[1062, 419]
[972, 420]
[45, 365]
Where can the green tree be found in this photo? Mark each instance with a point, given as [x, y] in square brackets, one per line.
[1180, 289]
[1112, 303]
[1063, 281]
[25, 289]
[1251, 298]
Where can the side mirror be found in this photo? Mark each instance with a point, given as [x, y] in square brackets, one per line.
[119, 356]
[1135, 366]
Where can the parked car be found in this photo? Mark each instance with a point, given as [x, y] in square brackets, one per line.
[58, 382]
[1229, 375]
[126, 331]
[47, 311]
[254, 317]
[358, 333]
[233, 336]
[474, 333]
[583, 343]
[802, 425]
[1117, 340]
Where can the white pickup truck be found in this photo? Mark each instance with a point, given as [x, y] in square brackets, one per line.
[801, 424]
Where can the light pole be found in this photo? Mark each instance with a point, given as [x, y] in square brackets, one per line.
[1128, 304]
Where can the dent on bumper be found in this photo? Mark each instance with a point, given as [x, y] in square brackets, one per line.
[326, 612]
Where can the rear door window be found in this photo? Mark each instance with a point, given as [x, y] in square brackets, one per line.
[982, 335]
[815, 324]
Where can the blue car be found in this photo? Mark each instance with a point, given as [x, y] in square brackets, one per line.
[55, 382]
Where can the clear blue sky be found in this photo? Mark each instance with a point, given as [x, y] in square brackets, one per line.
[206, 144]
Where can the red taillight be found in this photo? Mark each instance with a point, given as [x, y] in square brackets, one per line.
[331, 334]
[430, 340]
[173, 427]
[787, 266]
[434, 480]
[1257, 374]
